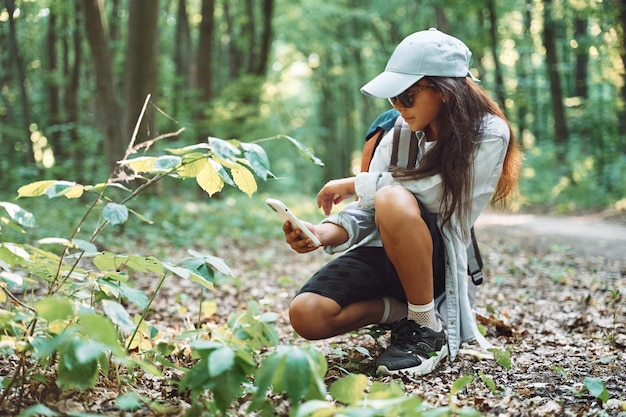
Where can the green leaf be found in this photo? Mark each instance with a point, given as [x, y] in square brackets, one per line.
[217, 263]
[141, 217]
[179, 270]
[297, 374]
[19, 215]
[44, 346]
[304, 151]
[503, 358]
[200, 267]
[268, 317]
[488, 381]
[115, 213]
[38, 410]
[129, 402]
[267, 372]
[34, 189]
[349, 389]
[135, 296]
[596, 388]
[257, 158]
[64, 188]
[118, 315]
[85, 245]
[166, 163]
[89, 350]
[12, 253]
[223, 174]
[460, 383]
[221, 360]
[107, 261]
[72, 372]
[99, 328]
[188, 149]
[223, 149]
[54, 308]
[384, 390]
[317, 408]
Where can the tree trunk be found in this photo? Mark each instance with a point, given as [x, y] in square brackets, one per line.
[522, 92]
[265, 39]
[621, 6]
[556, 90]
[72, 69]
[109, 108]
[493, 38]
[235, 59]
[182, 58]
[25, 154]
[204, 75]
[54, 118]
[141, 65]
[582, 58]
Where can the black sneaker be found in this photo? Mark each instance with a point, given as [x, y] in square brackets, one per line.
[414, 349]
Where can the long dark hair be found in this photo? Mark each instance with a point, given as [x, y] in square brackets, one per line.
[452, 154]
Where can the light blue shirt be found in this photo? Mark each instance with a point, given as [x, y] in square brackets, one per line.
[358, 218]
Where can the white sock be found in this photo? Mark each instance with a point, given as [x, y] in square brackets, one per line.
[424, 315]
[395, 310]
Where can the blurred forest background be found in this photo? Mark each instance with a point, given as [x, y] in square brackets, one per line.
[75, 74]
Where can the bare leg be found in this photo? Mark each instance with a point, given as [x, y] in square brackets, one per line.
[407, 241]
[317, 317]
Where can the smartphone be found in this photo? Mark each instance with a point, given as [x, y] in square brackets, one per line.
[285, 214]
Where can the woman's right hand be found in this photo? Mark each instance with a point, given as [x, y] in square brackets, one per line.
[297, 240]
[333, 192]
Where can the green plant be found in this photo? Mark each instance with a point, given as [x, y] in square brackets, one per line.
[75, 314]
[614, 300]
[596, 388]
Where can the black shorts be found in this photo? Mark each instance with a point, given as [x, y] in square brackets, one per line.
[366, 273]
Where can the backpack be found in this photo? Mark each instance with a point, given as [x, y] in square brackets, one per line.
[404, 153]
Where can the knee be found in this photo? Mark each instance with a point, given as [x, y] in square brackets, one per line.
[309, 315]
[395, 203]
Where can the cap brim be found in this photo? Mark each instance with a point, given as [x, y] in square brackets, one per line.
[390, 84]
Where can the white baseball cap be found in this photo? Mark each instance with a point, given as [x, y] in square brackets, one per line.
[425, 53]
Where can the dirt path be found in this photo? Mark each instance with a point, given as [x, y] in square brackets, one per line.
[584, 235]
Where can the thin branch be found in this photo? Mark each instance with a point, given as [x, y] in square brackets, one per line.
[16, 300]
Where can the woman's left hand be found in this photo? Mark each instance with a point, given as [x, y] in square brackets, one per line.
[334, 192]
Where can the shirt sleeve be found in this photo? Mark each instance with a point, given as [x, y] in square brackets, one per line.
[358, 222]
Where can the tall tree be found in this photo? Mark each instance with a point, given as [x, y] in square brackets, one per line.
[141, 64]
[182, 54]
[54, 118]
[581, 57]
[554, 78]
[109, 113]
[621, 8]
[204, 71]
[72, 64]
[493, 38]
[25, 155]
[259, 64]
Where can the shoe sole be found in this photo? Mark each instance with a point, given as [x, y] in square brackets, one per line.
[426, 367]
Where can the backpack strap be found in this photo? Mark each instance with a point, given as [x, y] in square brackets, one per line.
[405, 147]
[474, 260]
[404, 153]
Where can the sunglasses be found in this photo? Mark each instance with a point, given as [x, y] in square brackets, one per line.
[406, 98]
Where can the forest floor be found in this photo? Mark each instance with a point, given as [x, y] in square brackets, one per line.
[549, 297]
